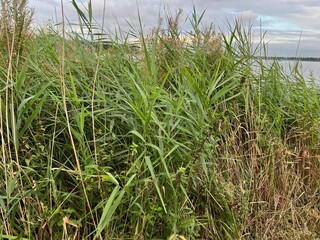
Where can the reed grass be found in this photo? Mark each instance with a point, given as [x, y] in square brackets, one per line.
[182, 136]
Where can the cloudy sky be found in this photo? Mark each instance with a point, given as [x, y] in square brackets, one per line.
[292, 26]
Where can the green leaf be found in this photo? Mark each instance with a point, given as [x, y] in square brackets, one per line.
[33, 115]
[155, 180]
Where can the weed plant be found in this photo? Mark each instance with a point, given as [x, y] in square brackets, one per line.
[179, 136]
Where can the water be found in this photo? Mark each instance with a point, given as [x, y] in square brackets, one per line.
[309, 70]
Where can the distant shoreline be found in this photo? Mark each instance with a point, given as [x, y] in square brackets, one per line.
[306, 59]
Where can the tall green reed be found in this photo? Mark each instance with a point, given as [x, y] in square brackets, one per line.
[188, 132]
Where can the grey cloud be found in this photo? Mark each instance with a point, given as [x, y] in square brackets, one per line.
[283, 19]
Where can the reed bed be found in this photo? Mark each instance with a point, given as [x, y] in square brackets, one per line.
[182, 135]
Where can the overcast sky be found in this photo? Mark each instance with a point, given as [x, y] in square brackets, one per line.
[286, 21]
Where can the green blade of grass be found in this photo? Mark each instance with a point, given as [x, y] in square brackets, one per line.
[151, 169]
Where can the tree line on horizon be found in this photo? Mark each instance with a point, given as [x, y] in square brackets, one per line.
[309, 59]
